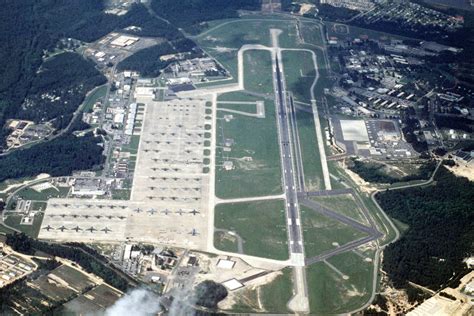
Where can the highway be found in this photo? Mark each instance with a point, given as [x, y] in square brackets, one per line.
[293, 221]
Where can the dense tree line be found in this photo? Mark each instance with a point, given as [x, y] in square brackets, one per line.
[209, 294]
[147, 61]
[454, 122]
[189, 14]
[58, 157]
[327, 11]
[440, 234]
[376, 173]
[411, 125]
[90, 263]
[66, 79]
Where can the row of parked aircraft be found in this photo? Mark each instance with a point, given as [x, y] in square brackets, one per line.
[87, 216]
[77, 229]
[106, 230]
[153, 211]
[111, 206]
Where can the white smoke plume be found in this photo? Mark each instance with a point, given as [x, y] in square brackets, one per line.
[142, 302]
[183, 300]
[139, 302]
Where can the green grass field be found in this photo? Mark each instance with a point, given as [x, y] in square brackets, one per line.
[311, 33]
[121, 194]
[253, 137]
[309, 151]
[261, 225]
[299, 74]
[132, 147]
[223, 240]
[75, 279]
[30, 230]
[4, 230]
[330, 293]
[321, 233]
[30, 194]
[382, 224]
[92, 98]
[343, 204]
[258, 72]
[274, 296]
[224, 38]
[355, 31]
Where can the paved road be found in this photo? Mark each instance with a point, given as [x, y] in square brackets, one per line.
[344, 248]
[342, 218]
[294, 228]
[326, 192]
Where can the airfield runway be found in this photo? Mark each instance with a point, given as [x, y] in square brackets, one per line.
[294, 224]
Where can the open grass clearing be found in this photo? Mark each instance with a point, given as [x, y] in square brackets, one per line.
[258, 72]
[93, 97]
[254, 153]
[75, 279]
[44, 195]
[260, 224]
[359, 32]
[276, 294]
[31, 230]
[54, 291]
[132, 147]
[229, 36]
[224, 240]
[309, 151]
[331, 293]
[299, 74]
[321, 233]
[272, 297]
[121, 194]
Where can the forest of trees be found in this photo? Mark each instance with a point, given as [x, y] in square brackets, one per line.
[327, 11]
[90, 262]
[67, 78]
[440, 233]
[209, 294]
[455, 122]
[30, 27]
[57, 157]
[188, 14]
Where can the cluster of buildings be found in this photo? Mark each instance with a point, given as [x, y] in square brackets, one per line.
[387, 79]
[412, 15]
[450, 301]
[12, 266]
[24, 132]
[114, 47]
[119, 7]
[196, 70]
[373, 83]
[358, 5]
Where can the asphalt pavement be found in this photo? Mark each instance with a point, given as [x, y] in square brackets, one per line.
[293, 222]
